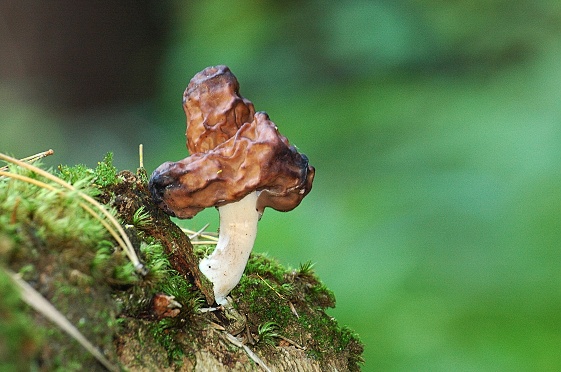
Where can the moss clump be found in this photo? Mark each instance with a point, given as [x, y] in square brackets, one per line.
[104, 174]
[52, 243]
[295, 302]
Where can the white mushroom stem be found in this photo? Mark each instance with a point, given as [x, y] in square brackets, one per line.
[238, 229]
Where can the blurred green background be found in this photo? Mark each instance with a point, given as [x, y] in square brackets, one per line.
[434, 127]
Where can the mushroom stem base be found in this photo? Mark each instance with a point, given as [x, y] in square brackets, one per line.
[238, 229]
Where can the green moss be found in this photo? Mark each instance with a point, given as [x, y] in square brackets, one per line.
[140, 218]
[103, 175]
[169, 334]
[267, 333]
[75, 173]
[46, 214]
[105, 172]
[265, 267]
[295, 302]
[292, 304]
[166, 334]
[53, 243]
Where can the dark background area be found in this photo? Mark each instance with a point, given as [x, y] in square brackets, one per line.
[434, 127]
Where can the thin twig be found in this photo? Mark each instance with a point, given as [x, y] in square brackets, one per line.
[217, 326]
[293, 343]
[233, 340]
[38, 156]
[210, 234]
[198, 233]
[293, 309]
[209, 239]
[210, 309]
[204, 242]
[32, 158]
[206, 236]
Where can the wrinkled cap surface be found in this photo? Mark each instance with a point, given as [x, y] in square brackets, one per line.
[214, 108]
[256, 158]
[234, 151]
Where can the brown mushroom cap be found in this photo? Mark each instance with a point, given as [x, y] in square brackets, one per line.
[214, 108]
[256, 158]
[234, 151]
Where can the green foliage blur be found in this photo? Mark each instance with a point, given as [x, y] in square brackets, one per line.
[435, 130]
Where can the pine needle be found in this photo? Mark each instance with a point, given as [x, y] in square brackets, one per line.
[32, 158]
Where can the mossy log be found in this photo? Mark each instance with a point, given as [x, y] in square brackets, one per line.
[70, 260]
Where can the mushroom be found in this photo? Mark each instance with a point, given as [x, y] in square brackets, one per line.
[239, 163]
